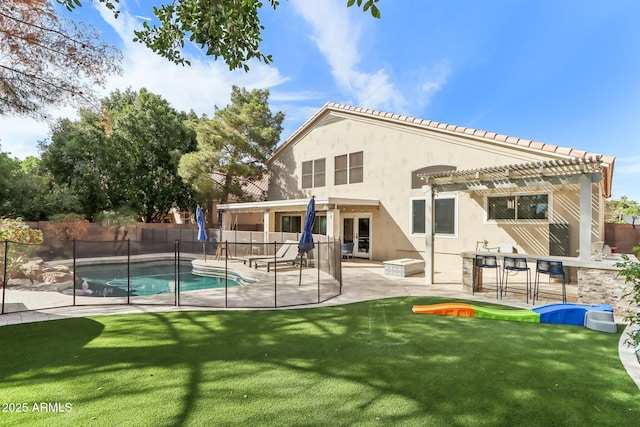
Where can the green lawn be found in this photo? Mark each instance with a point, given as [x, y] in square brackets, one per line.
[372, 363]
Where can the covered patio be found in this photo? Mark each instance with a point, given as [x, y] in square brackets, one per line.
[330, 213]
[596, 278]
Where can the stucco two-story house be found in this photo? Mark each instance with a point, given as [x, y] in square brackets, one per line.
[402, 187]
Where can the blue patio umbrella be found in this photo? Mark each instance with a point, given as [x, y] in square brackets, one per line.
[306, 240]
[202, 233]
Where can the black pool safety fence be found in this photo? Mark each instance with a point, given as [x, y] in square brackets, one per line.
[241, 273]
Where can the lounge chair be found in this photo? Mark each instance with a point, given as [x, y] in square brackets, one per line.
[290, 257]
[279, 254]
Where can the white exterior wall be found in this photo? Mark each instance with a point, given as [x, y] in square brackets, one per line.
[391, 152]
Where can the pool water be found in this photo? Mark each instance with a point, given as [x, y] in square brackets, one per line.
[148, 278]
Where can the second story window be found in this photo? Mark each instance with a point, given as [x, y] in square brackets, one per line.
[356, 167]
[349, 168]
[313, 173]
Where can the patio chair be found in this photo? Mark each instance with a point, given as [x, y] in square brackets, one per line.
[347, 250]
[481, 262]
[515, 265]
[289, 257]
[279, 254]
[552, 268]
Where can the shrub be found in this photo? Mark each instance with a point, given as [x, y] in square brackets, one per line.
[15, 230]
[118, 221]
[69, 227]
[25, 241]
[630, 270]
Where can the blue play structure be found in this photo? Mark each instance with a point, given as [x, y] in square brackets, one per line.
[596, 317]
[568, 314]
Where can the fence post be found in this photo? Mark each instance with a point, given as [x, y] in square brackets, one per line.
[337, 257]
[177, 269]
[318, 266]
[175, 272]
[128, 271]
[73, 249]
[226, 271]
[275, 271]
[4, 273]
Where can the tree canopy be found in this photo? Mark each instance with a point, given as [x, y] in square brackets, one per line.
[47, 60]
[124, 158]
[617, 209]
[26, 192]
[233, 146]
[228, 29]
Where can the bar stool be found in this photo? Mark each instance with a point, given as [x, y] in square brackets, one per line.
[552, 268]
[515, 264]
[485, 261]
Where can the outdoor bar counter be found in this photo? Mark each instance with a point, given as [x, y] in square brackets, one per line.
[598, 282]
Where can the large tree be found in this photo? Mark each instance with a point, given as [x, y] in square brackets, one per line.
[47, 60]
[233, 146]
[230, 29]
[153, 137]
[124, 158]
[77, 155]
[28, 193]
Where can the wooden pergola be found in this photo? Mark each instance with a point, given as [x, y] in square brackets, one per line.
[576, 170]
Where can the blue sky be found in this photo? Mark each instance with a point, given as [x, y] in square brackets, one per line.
[564, 72]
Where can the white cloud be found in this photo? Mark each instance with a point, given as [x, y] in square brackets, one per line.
[434, 79]
[337, 37]
[628, 165]
[200, 87]
[19, 136]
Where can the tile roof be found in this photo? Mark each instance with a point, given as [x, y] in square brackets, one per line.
[520, 142]
[562, 152]
[254, 190]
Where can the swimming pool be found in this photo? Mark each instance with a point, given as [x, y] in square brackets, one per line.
[147, 278]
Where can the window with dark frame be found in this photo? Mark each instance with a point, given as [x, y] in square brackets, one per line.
[291, 224]
[341, 170]
[320, 225]
[444, 216]
[318, 172]
[313, 173]
[349, 168]
[356, 167]
[519, 207]
[417, 216]
[307, 174]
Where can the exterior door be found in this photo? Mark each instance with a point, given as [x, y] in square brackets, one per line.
[357, 229]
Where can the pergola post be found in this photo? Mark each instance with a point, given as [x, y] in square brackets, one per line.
[585, 217]
[428, 234]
